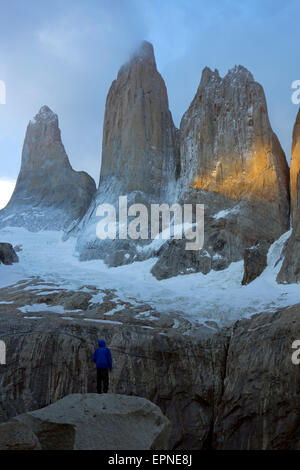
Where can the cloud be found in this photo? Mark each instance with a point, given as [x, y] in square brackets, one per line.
[7, 187]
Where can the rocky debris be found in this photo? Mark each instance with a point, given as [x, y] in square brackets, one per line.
[174, 259]
[49, 194]
[7, 254]
[140, 152]
[290, 269]
[17, 436]
[99, 422]
[255, 261]
[231, 388]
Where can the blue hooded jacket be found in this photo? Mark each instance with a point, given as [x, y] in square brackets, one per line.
[102, 356]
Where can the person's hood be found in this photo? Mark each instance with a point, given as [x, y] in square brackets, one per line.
[101, 343]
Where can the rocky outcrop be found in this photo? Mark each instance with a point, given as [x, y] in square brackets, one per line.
[290, 270]
[229, 388]
[50, 358]
[140, 153]
[99, 422]
[17, 436]
[255, 261]
[232, 162]
[8, 255]
[261, 402]
[49, 194]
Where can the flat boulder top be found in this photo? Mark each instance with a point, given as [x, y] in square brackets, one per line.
[77, 404]
[99, 422]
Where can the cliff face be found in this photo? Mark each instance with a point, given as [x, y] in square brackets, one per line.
[295, 172]
[232, 162]
[290, 270]
[49, 194]
[228, 389]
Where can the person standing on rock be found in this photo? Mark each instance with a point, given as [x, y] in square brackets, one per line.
[103, 360]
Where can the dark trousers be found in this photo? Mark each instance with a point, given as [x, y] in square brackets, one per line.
[102, 379]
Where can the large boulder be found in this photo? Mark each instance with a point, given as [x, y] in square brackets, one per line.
[7, 254]
[49, 194]
[99, 422]
[17, 436]
[255, 261]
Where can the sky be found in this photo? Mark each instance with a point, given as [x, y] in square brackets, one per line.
[66, 53]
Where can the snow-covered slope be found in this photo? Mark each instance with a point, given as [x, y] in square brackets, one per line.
[216, 296]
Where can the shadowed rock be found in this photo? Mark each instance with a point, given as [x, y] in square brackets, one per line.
[17, 436]
[255, 261]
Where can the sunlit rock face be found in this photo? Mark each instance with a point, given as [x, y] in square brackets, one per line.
[49, 194]
[228, 146]
[295, 172]
[232, 162]
[140, 151]
[290, 270]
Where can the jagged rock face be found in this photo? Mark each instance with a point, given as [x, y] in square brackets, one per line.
[260, 403]
[227, 144]
[49, 194]
[232, 162]
[140, 150]
[290, 269]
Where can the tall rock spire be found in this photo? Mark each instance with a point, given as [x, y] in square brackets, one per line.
[228, 146]
[139, 149]
[49, 194]
[232, 162]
